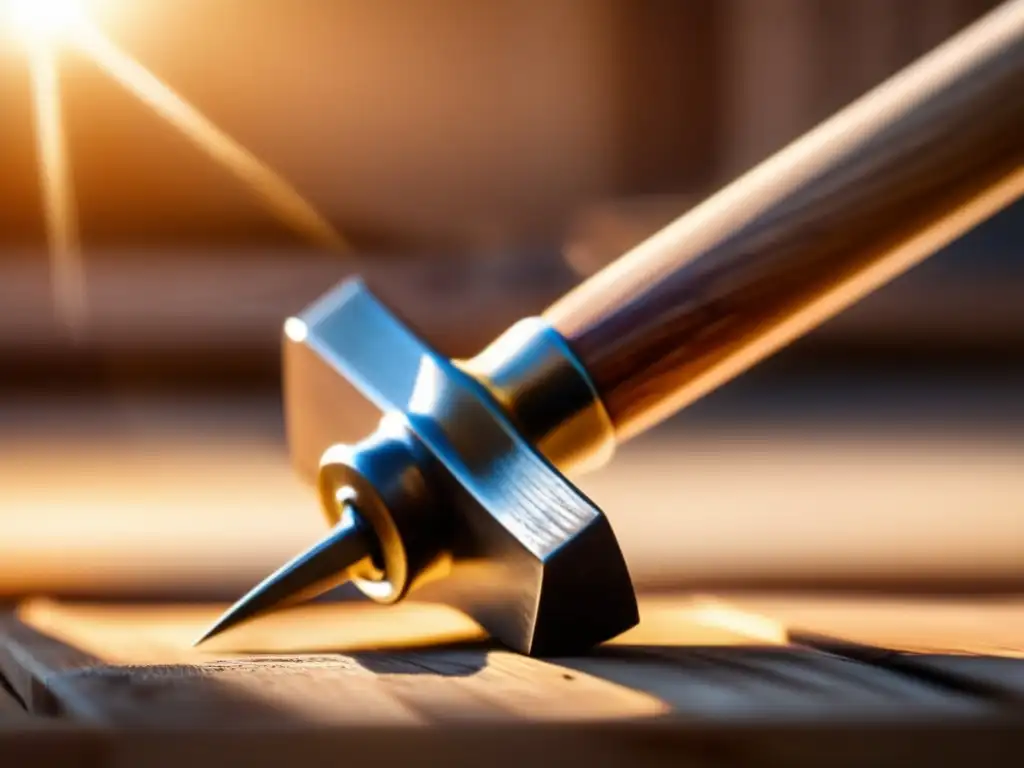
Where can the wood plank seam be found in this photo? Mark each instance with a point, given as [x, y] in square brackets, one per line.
[907, 664]
[807, 678]
[6, 689]
[27, 655]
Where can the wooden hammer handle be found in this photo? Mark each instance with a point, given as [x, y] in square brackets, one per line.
[863, 197]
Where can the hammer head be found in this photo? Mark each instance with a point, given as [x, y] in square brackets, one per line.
[480, 519]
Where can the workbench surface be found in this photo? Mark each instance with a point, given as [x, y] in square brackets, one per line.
[735, 680]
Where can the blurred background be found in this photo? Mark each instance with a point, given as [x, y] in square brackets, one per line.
[472, 161]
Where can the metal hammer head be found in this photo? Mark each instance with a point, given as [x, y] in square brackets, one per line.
[458, 481]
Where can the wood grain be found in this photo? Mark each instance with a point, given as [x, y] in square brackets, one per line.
[689, 658]
[845, 209]
[773, 684]
[969, 645]
[101, 664]
[162, 634]
[142, 675]
[702, 681]
[952, 306]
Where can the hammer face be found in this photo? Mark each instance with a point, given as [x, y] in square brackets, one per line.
[530, 558]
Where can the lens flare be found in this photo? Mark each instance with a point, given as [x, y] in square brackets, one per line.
[280, 197]
[45, 27]
[36, 20]
[57, 186]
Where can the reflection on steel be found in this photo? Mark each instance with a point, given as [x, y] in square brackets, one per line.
[463, 507]
[538, 381]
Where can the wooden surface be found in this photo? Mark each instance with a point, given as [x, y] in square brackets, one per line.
[975, 646]
[738, 680]
[691, 656]
[842, 211]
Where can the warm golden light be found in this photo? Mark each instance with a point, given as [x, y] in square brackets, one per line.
[42, 25]
[296, 330]
[36, 20]
[280, 196]
[59, 206]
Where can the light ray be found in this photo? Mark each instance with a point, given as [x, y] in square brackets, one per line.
[43, 20]
[42, 26]
[67, 274]
[280, 196]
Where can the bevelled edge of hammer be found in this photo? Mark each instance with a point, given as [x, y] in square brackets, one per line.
[586, 596]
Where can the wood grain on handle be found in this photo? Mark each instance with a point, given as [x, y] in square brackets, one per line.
[846, 208]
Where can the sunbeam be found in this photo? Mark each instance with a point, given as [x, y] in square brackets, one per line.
[42, 26]
[44, 20]
[67, 275]
[279, 195]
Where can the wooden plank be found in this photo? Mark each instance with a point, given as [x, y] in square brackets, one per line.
[134, 667]
[160, 679]
[975, 646]
[162, 634]
[499, 685]
[443, 685]
[775, 685]
[140, 635]
[30, 659]
[699, 682]
[996, 679]
[764, 674]
[27, 739]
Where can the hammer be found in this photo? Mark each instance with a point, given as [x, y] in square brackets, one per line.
[461, 493]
